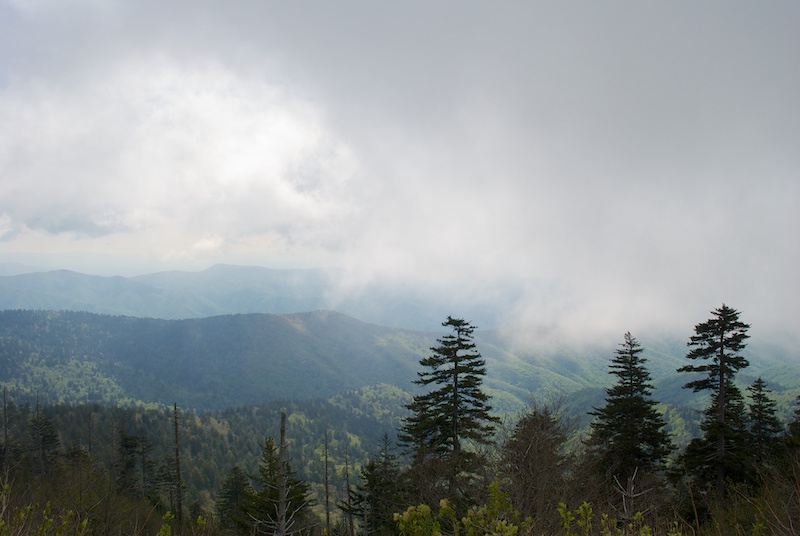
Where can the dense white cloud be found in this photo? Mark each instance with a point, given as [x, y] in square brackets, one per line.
[596, 166]
[153, 145]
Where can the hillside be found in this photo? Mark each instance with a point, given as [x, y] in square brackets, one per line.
[232, 360]
[203, 363]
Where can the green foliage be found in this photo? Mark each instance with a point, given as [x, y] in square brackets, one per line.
[166, 527]
[232, 500]
[567, 518]
[628, 432]
[580, 523]
[763, 424]
[33, 519]
[261, 501]
[112, 466]
[497, 518]
[453, 416]
[722, 449]
[418, 521]
[381, 492]
[534, 462]
[228, 361]
[204, 363]
[716, 342]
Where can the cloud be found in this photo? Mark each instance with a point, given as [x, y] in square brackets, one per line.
[154, 144]
[594, 166]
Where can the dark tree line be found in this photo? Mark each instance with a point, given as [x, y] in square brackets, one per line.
[627, 464]
[454, 454]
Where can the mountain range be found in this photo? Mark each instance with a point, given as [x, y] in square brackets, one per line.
[231, 360]
[231, 336]
[227, 289]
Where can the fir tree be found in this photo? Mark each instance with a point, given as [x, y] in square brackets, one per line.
[765, 428]
[791, 439]
[279, 501]
[628, 433]
[380, 493]
[232, 501]
[533, 463]
[454, 415]
[721, 449]
[45, 445]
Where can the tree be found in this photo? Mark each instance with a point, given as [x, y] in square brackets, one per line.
[533, 463]
[131, 464]
[279, 503]
[628, 433]
[178, 477]
[721, 450]
[379, 495]
[763, 423]
[45, 444]
[231, 503]
[791, 439]
[447, 420]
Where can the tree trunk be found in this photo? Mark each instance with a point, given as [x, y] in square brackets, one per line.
[720, 473]
[178, 480]
[350, 524]
[282, 477]
[327, 490]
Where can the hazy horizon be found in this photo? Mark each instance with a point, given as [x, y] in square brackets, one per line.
[594, 167]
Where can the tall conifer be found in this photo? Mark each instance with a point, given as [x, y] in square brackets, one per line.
[763, 423]
[454, 415]
[722, 449]
[628, 433]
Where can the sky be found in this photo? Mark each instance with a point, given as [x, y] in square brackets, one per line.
[595, 166]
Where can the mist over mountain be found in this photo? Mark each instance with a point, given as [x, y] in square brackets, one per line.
[233, 335]
[227, 289]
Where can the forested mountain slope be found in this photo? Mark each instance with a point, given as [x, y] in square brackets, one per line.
[231, 360]
[202, 363]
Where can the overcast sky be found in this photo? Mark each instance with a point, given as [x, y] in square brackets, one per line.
[608, 165]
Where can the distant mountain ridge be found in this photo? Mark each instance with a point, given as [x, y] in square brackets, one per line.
[225, 289]
[233, 335]
[171, 295]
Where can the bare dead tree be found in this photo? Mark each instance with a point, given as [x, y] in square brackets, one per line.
[284, 522]
[5, 433]
[349, 510]
[327, 490]
[629, 496]
[178, 480]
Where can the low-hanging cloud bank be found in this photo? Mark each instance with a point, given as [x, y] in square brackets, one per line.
[592, 167]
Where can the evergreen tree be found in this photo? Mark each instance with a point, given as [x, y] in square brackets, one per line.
[272, 484]
[765, 428]
[533, 464]
[722, 448]
[232, 502]
[628, 433]
[45, 446]
[791, 438]
[446, 421]
[380, 493]
[126, 463]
